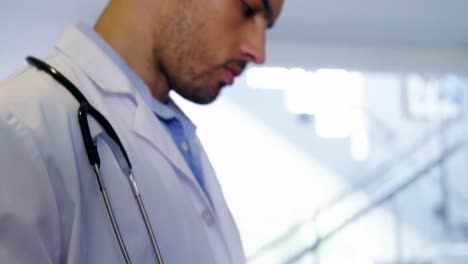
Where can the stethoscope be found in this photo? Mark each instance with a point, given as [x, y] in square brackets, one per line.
[84, 110]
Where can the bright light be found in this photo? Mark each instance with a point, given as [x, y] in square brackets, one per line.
[331, 95]
[268, 78]
[333, 123]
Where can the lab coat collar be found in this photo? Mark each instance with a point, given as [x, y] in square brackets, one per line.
[94, 62]
[111, 80]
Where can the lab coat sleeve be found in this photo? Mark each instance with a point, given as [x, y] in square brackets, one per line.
[29, 219]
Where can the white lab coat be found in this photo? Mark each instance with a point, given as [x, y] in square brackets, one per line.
[51, 209]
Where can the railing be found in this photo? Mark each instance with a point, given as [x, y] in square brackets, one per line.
[380, 177]
[380, 200]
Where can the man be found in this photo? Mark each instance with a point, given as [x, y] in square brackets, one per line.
[51, 208]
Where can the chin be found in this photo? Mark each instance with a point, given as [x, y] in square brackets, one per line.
[205, 100]
[201, 94]
[202, 99]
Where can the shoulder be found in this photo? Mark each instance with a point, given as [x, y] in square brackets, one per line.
[32, 94]
[39, 103]
[30, 89]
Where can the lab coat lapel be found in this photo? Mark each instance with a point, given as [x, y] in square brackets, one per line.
[113, 82]
[155, 134]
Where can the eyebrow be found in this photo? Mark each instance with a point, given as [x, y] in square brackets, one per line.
[269, 12]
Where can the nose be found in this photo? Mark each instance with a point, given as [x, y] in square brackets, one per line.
[253, 47]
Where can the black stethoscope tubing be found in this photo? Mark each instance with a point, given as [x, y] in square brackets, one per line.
[84, 110]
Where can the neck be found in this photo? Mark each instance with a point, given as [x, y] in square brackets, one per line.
[133, 41]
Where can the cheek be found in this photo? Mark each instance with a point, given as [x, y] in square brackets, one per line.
[216, 31]
[206, 50]
[200, 45]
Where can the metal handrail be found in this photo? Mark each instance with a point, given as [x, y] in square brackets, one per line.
[378, 173]
[421, 173]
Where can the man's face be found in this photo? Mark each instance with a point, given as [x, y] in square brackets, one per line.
[207, 43]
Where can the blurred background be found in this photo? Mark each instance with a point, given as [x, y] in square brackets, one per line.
[347, 146]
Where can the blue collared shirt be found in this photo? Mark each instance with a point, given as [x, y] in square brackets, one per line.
[182, 130]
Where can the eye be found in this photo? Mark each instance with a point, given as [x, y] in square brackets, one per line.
[248, 11]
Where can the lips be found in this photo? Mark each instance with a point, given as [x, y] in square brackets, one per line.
[236, 70]
[230, 72]
[228, 76]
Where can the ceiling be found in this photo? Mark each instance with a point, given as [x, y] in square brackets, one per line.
[430, 23]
